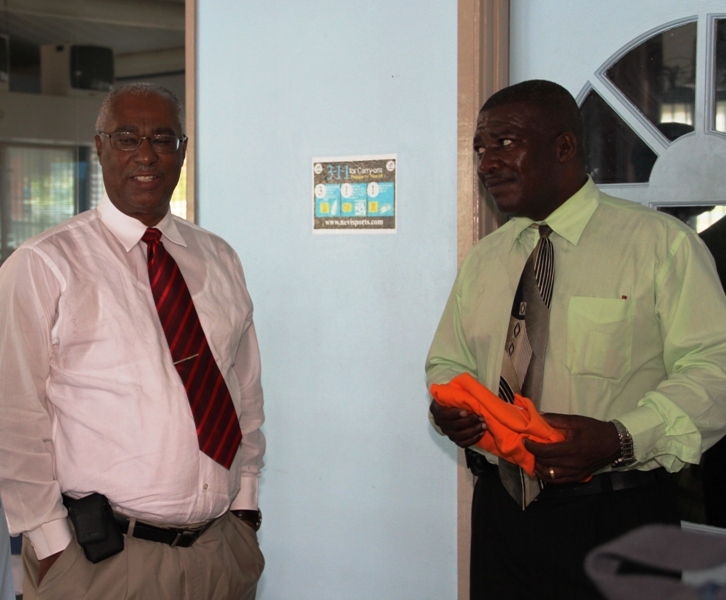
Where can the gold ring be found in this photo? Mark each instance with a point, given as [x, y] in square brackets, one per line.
[552, 473]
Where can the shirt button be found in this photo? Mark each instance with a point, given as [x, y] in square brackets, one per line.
[206, 486]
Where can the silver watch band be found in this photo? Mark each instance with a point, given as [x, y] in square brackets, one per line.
[627, 454]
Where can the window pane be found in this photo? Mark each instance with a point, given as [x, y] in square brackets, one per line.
[720, 124]
[659, 78]
[178, 202]
[613, 152]
[698, 218]
[41, 192]
[710, 223]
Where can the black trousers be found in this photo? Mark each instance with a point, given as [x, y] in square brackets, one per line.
[538, 553]
[714, 484]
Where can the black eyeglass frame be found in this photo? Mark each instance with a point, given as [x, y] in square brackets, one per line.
[151, 138]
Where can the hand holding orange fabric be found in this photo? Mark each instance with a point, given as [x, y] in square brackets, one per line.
[461, 426]
[590, 445]
[507, 424]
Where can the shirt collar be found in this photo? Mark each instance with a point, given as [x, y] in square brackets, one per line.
[128, 230]
[569, 219]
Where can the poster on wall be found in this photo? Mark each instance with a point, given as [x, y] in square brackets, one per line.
[354, 194]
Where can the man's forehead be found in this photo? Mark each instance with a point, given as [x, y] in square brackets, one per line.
[132, 110]
[515, 116]
[133, 128]
[514, 113]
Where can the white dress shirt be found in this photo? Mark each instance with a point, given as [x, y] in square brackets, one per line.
[89, 397]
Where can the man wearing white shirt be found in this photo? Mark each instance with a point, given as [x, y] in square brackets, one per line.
[93, 401]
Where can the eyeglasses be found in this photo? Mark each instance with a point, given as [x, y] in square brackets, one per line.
[128, 142]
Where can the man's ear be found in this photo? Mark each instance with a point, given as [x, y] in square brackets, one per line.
[99, 145]
[183, 150]
[566, 147]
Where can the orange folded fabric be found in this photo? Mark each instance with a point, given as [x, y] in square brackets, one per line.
[507, 424]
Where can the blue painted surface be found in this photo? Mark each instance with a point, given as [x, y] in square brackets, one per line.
[359, 494]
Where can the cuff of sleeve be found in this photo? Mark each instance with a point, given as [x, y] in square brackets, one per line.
[651, 439]
[246, 499]
[50, 538]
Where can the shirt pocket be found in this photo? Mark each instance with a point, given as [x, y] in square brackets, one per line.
[599, 336]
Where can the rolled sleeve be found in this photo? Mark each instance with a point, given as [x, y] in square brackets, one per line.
[450, 354]
[50, 538]
[247, 371]
[29, 289]
[686, 413]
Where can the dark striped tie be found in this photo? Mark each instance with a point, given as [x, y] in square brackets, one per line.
[217, 424]
[524, 352]
[537, 293]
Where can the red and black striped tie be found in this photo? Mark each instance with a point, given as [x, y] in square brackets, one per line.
[212, 407]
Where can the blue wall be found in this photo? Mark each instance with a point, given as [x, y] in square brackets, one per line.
[359, 494]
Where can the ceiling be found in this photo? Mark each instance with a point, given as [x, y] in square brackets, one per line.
[147, 36]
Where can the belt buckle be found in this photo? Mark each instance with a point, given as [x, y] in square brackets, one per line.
[184, 534]
[192, 535]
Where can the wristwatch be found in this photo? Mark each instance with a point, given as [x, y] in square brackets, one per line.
[627, 455]
[252, 517]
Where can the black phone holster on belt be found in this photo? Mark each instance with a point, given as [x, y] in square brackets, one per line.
[96, 529]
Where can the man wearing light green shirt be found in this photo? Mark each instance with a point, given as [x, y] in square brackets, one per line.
[637, 334]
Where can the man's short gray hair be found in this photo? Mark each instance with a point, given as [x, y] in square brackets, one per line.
[137, 89]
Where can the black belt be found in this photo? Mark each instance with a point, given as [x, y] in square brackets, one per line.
[613, 481]
[173, 536]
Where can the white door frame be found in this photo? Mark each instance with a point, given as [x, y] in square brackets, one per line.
[190, 100]
[483, 68]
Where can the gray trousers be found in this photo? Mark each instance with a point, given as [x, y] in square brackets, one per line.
[225, 563]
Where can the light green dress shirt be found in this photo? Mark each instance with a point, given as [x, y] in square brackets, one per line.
[637, 324]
